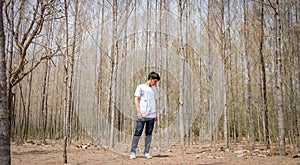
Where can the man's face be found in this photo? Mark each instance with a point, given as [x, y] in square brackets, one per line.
[153, 82]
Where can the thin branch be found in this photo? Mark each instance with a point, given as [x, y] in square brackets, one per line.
[263, 3]
[99, 46]
[24, 74]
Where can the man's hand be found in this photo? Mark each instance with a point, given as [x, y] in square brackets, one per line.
[139, 115]
[137, 106]
[156, 118]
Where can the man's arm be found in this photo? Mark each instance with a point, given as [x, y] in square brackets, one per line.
[137, 107]
[157, 111]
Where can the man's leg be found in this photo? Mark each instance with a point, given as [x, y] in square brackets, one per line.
[148, 138]
[135, 140]
[134, 144]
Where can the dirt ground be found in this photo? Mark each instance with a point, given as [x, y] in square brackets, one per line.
[83, 154]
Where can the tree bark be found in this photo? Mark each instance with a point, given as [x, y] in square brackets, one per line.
[224, 75]
[210, 76]
[5, 157]
[278, 90]
[99, 74]
[246, 37]
[264, 86]
[27, 120]
[114, 72]
[181, 81]
[66, 86]
[71, 76]
[44, 112]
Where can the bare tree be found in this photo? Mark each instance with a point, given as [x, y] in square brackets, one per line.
[210, 76]
[263, 74]
[72, 64]
[231, 78]
[114, 72]
[26, 127]
[278, 33]
[4, 112]
[99, 74]
[44, 106]
[24, 40]
[246, 39]
[181, 78]
[24, 29]
[66, 85]
[224, 72]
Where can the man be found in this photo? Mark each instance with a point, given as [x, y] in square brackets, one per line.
[145, 102]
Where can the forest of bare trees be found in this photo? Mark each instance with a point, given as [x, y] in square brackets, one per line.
[230, 70]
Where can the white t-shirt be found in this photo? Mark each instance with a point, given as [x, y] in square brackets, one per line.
[148, 97]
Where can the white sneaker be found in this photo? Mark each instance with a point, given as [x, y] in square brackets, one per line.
[148, 156]
[132, 155]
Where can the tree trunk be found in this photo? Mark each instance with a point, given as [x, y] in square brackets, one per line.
[188, 111]
[278, 71]
[100, 62]
[99, 74]
[264, 86]
[298, 84]
[246, 36]
[66, 87]
[147, 43]
[43, 114]
[9, 63]
[181, 81]
[4, 112]
[71, 76]
[26, 129]
[230, 75]
[224, 75]
[165, 40]
[160, 28]
[210, 76]
[114, 72]
[125, 87]
[22, 116]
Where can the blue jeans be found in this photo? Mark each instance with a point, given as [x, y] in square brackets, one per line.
[140, 123]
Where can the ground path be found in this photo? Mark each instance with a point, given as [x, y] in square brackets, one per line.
[30, 154]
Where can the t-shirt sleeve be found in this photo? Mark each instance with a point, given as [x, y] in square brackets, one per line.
[155, 93]
[138, 91]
